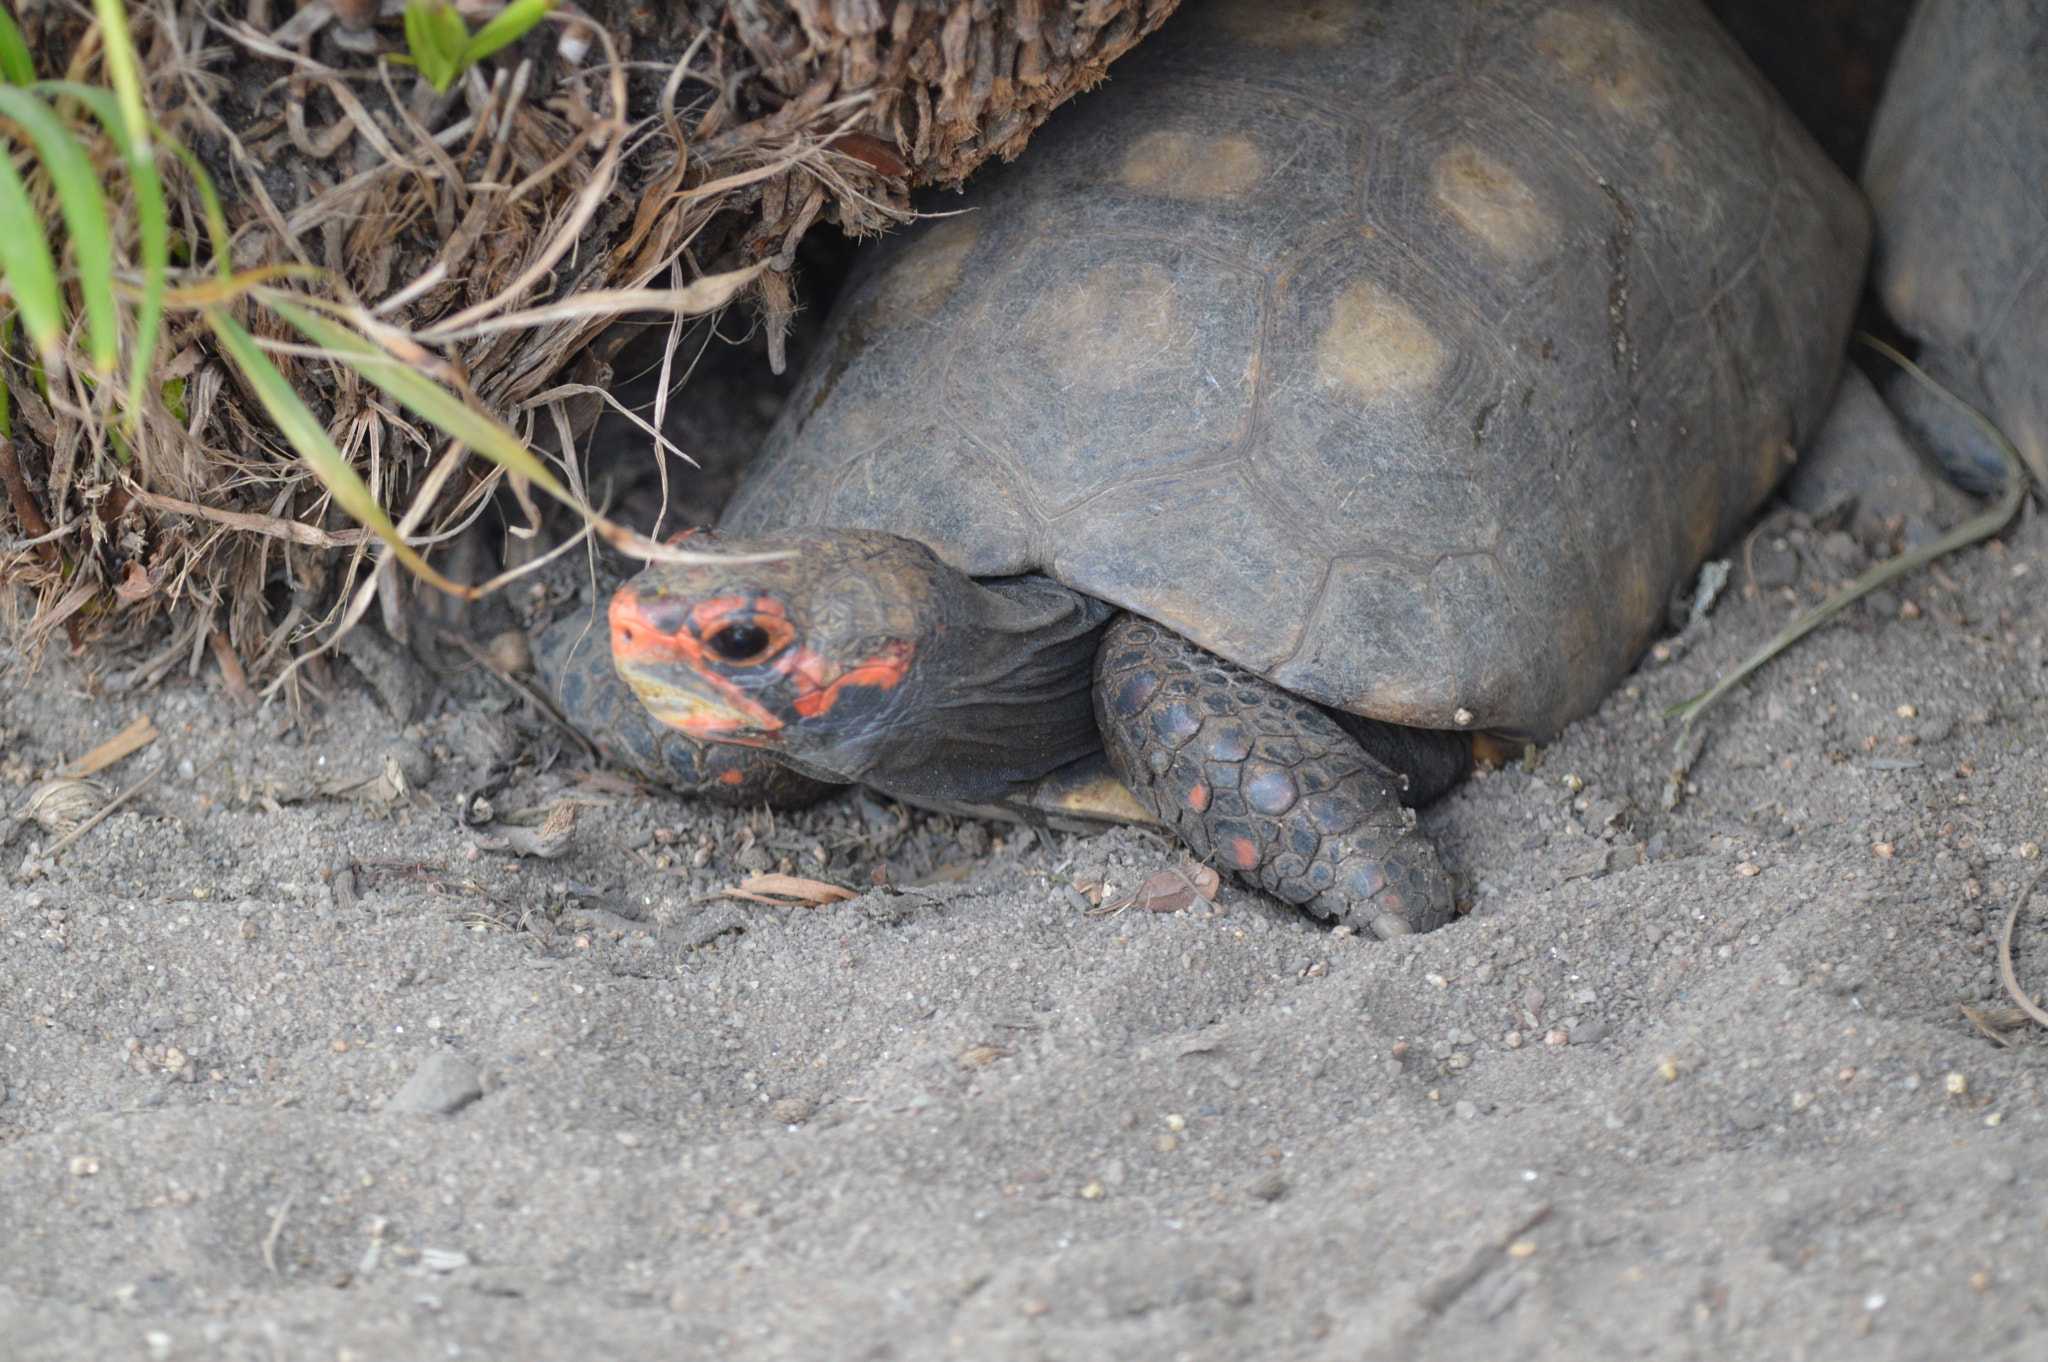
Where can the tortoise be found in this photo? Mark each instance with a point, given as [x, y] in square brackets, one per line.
[1341, 385]
[1957, 174]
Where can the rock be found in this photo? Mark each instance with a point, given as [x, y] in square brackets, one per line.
[1590, 1032]
[511, 651]
[414, 760]
[401, 683]
[794, 1111]
[1774, 563]
[442, 1085]
[1269, 1188]
[1746, 1117]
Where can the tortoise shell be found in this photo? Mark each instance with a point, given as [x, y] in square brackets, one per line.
[1409, 355]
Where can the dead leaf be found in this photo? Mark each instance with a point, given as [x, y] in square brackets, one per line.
[134, 584]
[950, 873]
[1170, 891]
[787, 887]
[133, 738]
[549, 840]
[871, 151]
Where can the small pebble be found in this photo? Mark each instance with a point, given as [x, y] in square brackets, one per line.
[1269, 1188]
[1589, 1032]
[1465, 1110]
[442, 1085]
[512, 652]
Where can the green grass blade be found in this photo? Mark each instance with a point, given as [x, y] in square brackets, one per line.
[123, 68]
[152, 217]
[514, 22]
[435, 34]
[85, 216]
[17, 67]
[400, 380]
[153, 225]
[299, 426]
[26, 264]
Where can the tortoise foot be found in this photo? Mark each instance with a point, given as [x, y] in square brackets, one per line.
[574, 659]
[1269, 786]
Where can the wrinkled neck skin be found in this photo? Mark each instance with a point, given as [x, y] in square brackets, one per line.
[998, 696]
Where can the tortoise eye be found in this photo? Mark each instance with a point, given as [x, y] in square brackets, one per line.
[740, 642]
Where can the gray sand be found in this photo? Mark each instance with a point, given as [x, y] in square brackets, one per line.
[1685, 1084]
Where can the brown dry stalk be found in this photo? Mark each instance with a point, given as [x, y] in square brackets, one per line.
[499, 229]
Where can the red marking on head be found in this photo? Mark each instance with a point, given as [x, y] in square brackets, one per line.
[638, 643]
[819, 679]
[1243, 854]
[1198, 797]
[733, 777]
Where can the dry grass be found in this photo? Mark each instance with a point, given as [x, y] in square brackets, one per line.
[502, 240]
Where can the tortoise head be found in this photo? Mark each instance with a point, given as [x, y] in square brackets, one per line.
[814, 655]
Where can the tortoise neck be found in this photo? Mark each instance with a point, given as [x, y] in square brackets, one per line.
[1003, 692]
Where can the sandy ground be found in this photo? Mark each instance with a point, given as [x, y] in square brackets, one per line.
[1689, 1083]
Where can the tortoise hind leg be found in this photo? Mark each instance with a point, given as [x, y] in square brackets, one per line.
[1264, 783]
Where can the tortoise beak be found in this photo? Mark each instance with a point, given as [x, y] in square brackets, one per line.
[666, 668]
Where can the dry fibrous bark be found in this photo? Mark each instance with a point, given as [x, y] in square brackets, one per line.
[680, 141]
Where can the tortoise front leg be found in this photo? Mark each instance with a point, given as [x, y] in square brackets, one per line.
[1266, 784]
[574, 659]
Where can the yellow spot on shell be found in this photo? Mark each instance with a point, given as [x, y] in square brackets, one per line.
[1185, 165]
[1287, 23]
[1102, 330]
[1375, 345]
[1492, 203]
[920, 281]
[1604, 54]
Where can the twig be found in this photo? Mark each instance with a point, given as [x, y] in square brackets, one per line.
[276, 1229]
[118, 800]
[2005, 974]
